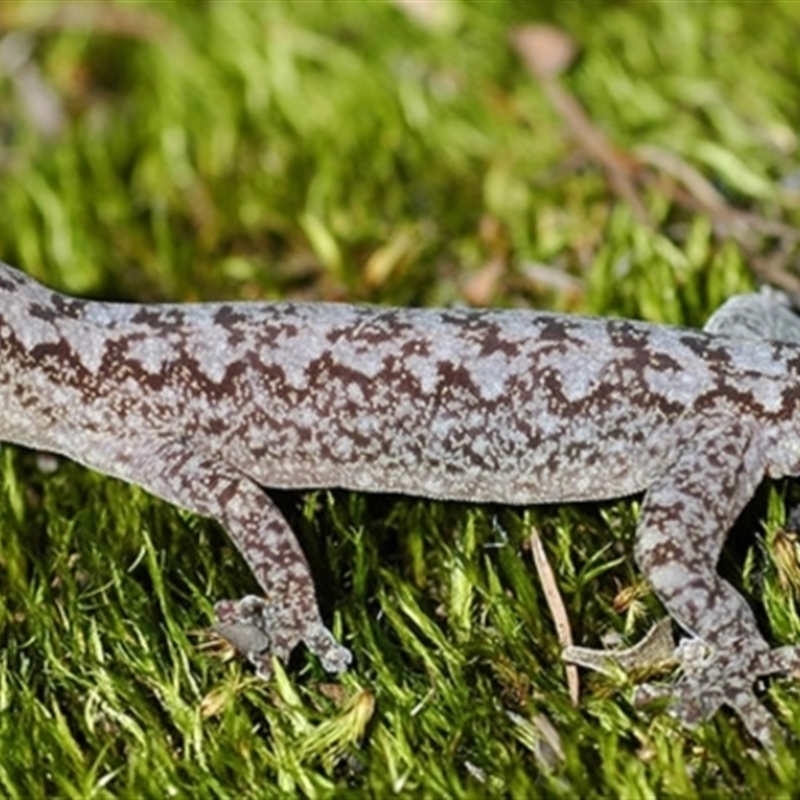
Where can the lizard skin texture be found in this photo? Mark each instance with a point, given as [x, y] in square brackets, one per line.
[205, 404]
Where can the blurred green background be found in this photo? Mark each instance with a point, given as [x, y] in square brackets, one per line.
[625, 158]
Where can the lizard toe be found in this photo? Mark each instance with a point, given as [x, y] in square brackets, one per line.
[260, 630]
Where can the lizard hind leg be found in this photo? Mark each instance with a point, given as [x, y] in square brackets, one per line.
[685, 517]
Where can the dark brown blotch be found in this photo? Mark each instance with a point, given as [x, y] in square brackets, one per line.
[68, 306]
[160, 318]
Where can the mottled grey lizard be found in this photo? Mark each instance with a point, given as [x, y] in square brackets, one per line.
[205, 404]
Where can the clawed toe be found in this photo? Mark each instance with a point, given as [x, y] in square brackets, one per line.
[332, 655]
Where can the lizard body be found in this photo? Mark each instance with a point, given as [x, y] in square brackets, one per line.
[205, 404]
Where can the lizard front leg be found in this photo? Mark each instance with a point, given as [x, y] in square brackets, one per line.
[258, 627]
[685, 518]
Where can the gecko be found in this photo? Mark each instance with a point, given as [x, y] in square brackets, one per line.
[210, 405]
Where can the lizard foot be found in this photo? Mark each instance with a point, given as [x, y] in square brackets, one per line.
[709, 680]
[259, 630]
[712, 680]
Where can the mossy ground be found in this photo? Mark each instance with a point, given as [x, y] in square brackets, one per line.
[213, 150]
